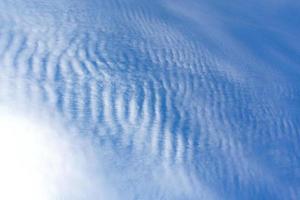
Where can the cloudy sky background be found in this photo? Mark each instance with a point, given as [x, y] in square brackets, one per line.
[115, 99]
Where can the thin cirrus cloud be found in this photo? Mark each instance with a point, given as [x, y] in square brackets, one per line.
[174, 100]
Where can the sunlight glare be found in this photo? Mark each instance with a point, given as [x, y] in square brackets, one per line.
[31, 160]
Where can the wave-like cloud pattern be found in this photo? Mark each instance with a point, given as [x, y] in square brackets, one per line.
[192, 100]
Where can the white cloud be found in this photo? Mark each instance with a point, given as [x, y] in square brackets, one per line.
[41, 162]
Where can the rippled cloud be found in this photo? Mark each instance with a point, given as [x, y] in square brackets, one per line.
[155, 100]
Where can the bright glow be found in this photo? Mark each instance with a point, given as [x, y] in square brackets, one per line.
[31, 160]
[40, 162]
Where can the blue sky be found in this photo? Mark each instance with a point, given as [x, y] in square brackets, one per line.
[166, 99]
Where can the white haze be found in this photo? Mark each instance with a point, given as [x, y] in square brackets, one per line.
[41, 162]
